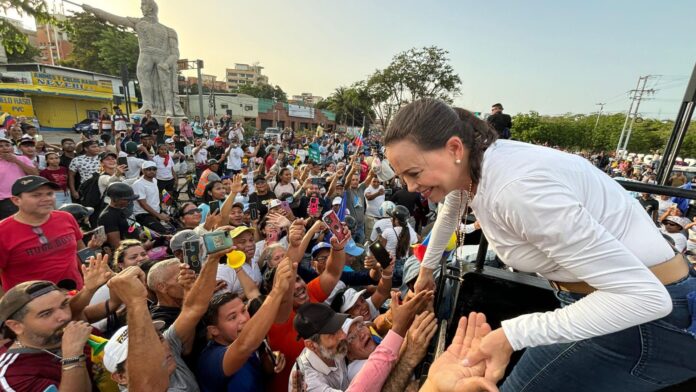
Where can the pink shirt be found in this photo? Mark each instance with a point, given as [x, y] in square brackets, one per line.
[379, 364]
[10, 173]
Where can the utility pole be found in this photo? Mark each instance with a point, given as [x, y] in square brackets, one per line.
[638, 95]
[601, 108]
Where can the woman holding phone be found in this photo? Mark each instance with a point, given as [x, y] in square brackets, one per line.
[623, 290]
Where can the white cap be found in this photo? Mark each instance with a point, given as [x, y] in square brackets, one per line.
[148, 164]
[349, 322]
[350, 297]
[336, 201]
[116, 349]
[169, 140]
[274, 203]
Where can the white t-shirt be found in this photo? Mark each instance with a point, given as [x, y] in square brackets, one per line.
[555, 214]
[146, 190]
[279, 189]
[380, 226]
[234, 158]
[164, 172]
[373, 205]
[392, 237]
[229, 275]
[201, 157]
[134, 165]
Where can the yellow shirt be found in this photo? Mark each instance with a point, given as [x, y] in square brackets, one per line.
[168, 129]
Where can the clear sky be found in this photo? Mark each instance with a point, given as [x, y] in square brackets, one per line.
[550, 56]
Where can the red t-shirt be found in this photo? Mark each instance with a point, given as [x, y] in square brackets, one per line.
[270, 161]
[23, 257]
[283, 337]
[59, 176]
[28, 370]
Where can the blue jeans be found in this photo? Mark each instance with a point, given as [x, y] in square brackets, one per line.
[647, 357]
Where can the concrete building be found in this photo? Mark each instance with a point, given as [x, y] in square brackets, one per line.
[297, 117]
[58, 97]
[241, 107]
[305, 99]
[210, 83]
[53, 42]
[243, 74]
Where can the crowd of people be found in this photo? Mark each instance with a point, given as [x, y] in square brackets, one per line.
[116, 274]
[95, 244]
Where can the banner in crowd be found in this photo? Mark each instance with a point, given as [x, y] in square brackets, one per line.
[300, 111]
[314, 154]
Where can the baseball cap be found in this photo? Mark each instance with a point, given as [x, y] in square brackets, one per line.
[234, 233]
[4, 139]
[30, 183]
[350, 297]
[259, 179]
[213, 162]
[169, 140]
[105, 154]
[131, 147]
[353, 249]
[147, 165]
[116, 349]
[681, 221]
[120, 191]
[320, 246]
[20, 295]
[26, 139]
[178, 239]
[218, 139]
[336, 201]
[317, 318]
[273, 203]
[239, 205]
[349, 322]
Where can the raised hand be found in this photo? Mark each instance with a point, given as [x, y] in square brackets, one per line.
[96, 272]
[237, 184]
[419, 335]
[129, 285]
[495, 350]
[283, 276]
[451, 371]
[403, 314]
[278, 220]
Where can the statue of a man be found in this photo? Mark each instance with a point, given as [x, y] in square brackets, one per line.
[157, 62]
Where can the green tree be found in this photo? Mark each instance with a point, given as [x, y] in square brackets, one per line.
[263, 90]
[13, 39]
[350, 104]
[414, 74]
[29, 55]
[100, 47]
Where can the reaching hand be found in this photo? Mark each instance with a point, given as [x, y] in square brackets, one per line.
[237, 184]
[451, 371]
[129, 285]
[283, 276]
[403, 314]
[278, 220]
[419, 335]
[425, 280]
[296, 232]
[96, 272]
[280, 363]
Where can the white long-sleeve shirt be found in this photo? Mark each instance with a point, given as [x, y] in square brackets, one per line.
[555, 214]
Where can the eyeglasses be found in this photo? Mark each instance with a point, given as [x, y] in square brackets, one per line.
[39, 232]
[193, 211]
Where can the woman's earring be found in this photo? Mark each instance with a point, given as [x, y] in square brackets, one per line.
[458, 161]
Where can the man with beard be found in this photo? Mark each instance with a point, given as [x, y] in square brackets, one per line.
[68, 152]
[47, 349]
[113, 217]
[322, 361]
